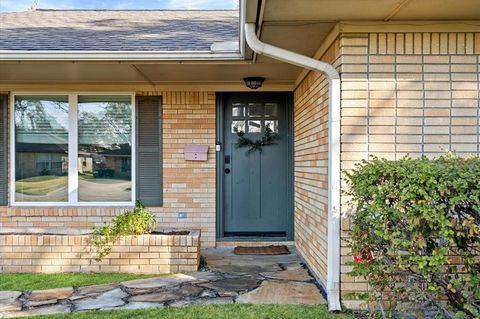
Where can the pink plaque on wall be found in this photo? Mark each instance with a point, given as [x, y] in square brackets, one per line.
[195, 152]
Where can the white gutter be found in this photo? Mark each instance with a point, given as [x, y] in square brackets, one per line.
[242, 5]
[333, 255]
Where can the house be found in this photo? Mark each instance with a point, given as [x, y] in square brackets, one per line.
[343, 80]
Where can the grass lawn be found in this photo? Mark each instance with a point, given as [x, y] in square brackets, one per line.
[213, 312]
[36, 281]
[40, 185]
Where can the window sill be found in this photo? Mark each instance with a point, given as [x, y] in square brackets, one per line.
[72, 205]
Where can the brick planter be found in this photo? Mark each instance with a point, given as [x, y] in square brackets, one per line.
[49, 250]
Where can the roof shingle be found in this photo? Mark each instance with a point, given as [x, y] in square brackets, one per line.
[109, 30]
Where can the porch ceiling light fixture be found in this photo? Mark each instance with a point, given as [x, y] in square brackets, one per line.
[254, 82]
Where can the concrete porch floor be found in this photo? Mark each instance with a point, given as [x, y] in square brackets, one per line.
[224, 260]
[284, 279]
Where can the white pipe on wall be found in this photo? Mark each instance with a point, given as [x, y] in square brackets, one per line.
[333, 262]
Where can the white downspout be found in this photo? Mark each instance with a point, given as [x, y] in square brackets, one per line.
[333, 263]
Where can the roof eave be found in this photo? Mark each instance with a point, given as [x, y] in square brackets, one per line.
[19, 55]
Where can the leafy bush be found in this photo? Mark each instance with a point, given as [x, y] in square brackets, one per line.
[416, 232]
[137, 222]
[203, 262]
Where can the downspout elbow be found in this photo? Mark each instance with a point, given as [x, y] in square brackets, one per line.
[287, 56]
[253, 42]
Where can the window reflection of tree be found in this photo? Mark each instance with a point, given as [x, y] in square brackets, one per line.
[31, 114]
[105, 125]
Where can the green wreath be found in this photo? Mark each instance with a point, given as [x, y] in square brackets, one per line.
[268, 138]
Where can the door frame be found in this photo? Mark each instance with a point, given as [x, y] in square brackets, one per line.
[219, 163]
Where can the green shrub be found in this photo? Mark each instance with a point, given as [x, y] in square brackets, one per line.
[203, 262]
[137, 222]
[414, 221]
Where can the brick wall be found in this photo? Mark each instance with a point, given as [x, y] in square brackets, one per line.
[311, 165]
[406, 93]
[188, 117]
[63, 252]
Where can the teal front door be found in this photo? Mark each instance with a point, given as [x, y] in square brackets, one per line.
[255, 185]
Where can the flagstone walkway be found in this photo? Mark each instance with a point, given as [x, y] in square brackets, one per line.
[228, 278]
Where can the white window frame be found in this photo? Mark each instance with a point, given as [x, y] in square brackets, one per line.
[72, 151]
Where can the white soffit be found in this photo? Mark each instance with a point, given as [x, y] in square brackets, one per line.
[302, 38]
[439, 10]
[327, 10]
[337, 10]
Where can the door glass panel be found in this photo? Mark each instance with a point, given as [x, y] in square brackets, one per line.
[272, 124]
[105, 148]
[270, 109]
[238, 110]
[257, 118]
[238, 126]
[254, 126]
[255, 110]
[41, 148]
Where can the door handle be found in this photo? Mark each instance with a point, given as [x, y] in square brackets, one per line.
[227, 170]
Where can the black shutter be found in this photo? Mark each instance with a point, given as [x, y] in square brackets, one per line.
[149, 150]
[3, 151]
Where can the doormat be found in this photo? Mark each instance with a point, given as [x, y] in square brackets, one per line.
[262, 250]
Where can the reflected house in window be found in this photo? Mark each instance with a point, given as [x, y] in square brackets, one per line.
[47, 159]
[104, 148]
[113, 162]
[85, 163]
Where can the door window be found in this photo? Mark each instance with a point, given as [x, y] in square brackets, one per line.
[253, 118]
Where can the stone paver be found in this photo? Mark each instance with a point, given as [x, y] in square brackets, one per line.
[189, 291]
[232, 287]
[291, 275]
[159, 282]
[208, 294]
[7, 295]
[46, 310]
[58, 293]
[112, 298]
[138, 305]
[206, 276]
[9, 302]
[33, 303]
[10, 306]
[96, 289]
[283, 292]
[202, 301]
[291, 266]
[156, 297]
[228, 279]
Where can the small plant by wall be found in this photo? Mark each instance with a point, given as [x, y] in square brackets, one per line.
[416, 233]
[140, 221]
